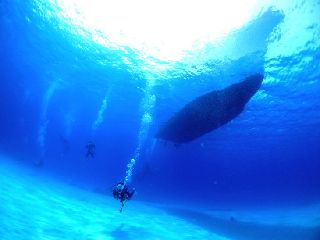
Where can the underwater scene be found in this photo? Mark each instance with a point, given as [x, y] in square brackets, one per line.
[160, 120]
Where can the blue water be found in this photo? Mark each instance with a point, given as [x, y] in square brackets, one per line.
[64, 83]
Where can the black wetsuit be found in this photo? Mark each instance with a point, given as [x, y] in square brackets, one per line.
[121, 192]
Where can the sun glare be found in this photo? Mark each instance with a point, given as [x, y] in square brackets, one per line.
[163, 30]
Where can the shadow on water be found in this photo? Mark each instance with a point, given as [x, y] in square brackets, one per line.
[126, 232]
[245, 230]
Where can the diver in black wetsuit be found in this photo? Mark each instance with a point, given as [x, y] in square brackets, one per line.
[121, 192]
[91, 148]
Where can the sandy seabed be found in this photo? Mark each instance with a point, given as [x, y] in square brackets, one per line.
[36, 207]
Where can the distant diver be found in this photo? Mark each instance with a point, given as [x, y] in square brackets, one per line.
[38, 163]
[91, 149]
[209, 111]
[65, 145]
[122, 192]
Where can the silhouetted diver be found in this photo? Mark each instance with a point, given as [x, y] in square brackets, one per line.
[38, 163]
[91, 148]
[121, 192]
[65, 145]
[210, 111]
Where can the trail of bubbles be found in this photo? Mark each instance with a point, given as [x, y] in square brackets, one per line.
[69, 121]
[147, 106]
[42, 132]
[102, 111]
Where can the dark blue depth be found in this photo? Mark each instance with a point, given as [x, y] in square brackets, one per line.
[268, 155]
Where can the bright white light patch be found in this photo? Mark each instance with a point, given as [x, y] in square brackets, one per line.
[165, 30]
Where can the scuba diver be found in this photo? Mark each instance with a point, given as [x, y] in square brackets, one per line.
[38, 163]
[91, 148]
[65, 146]
[121, 192]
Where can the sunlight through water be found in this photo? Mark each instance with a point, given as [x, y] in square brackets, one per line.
[155, 31]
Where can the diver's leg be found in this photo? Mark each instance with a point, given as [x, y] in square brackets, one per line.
[122, 205]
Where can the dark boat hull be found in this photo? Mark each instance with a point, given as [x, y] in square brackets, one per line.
[209, 111]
